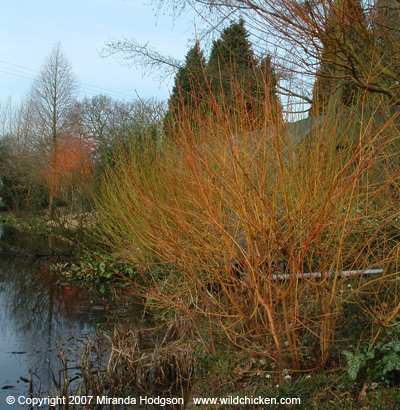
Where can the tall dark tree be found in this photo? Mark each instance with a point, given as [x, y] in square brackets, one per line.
[336, 86]
[231, 61]
[386, 30]
[236, 76]
[190, 81]
[189, 87]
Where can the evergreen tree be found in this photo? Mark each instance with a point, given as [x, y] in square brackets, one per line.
[335, 86]
[189, 86]
[233, 75]
[231, 62]
[189, 82]
[237, 77]
[386, 29]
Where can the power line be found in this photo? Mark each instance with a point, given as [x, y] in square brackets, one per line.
[17, 71]
[84, 86]
[17, 75]
[105, 89]
[20, 66]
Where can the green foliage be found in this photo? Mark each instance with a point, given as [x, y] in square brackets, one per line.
[231, 57]
[189, 81]
[232, 76]
[235, 75]
[380, 364]
[189, 88]
[391, 361]
[355, 362]
[94, 267]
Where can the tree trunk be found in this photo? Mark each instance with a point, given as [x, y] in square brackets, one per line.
[52, 207]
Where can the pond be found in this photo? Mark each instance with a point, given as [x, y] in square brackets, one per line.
[38, 316]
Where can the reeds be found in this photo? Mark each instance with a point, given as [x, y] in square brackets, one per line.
[119, 364]
[167, 367]
[228, 218]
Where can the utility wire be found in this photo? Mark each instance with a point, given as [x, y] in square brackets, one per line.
[84, 86]
[17, 75]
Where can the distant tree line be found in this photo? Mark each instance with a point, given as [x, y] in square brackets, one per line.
[54, 146]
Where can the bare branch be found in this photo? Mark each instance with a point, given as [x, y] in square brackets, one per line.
[145, 56]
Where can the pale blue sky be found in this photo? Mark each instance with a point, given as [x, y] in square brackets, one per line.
[30, 28]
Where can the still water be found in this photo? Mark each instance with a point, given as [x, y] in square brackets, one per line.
[37, 314]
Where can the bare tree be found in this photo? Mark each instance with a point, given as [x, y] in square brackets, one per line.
[6, 117]
[52, 97]
[21, 185]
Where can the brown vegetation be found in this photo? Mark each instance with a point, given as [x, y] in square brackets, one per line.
[228, 220]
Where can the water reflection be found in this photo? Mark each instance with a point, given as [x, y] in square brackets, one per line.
[36, 313]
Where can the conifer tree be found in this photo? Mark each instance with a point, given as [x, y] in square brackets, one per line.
[189, 86]
[232, 74]
[335, 86]
[189, 82]
[52, 97]
[236, 75]
[231, 61]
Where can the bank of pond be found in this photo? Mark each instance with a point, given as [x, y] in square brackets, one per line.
[55, 335]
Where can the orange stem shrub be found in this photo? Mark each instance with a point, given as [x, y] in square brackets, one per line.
[252, 222]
